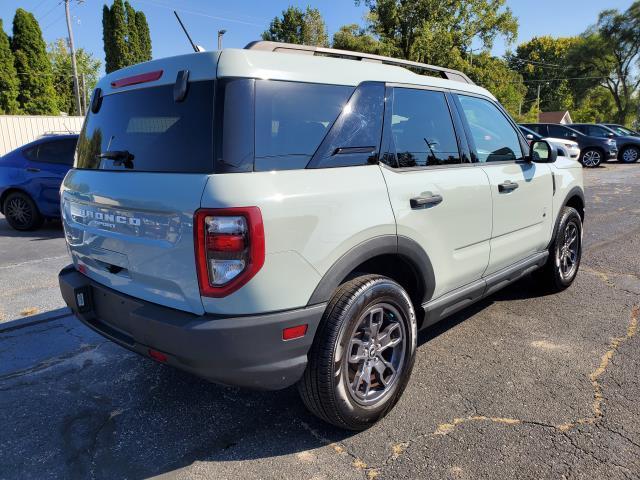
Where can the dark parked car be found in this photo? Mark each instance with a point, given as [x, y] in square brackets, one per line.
[621, 129]
[593, 150]
[628, 146]
[30, 178]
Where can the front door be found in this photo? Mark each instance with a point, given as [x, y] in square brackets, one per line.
[522, 191]
[440, 201]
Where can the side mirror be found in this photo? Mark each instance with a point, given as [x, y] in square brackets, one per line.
[610, 135]
[541, 152]
[529, 136]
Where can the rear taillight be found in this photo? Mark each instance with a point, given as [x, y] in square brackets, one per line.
[229, 248]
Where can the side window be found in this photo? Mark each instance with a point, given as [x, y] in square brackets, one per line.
[494, 137]
[291, 119]
[422, 132]
[558, 131]
[60, 151]
[354, 138]
[234, 115]
[31, 153]
[596, 131]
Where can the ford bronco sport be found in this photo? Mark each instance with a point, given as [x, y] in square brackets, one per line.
[281, 215]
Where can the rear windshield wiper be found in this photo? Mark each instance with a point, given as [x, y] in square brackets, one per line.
[119, 157]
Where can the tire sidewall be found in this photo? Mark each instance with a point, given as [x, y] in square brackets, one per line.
[382, 291]
[569, 215]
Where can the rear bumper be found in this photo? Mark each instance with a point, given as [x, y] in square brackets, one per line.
[246, 351]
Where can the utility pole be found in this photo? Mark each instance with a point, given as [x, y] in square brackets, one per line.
[76, 88]
[538, 101]
[220, 34]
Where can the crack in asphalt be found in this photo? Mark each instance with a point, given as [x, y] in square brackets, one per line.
[563, 429]
[340, 449]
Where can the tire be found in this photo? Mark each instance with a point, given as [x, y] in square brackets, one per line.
[630, 154]
[553, 277]
[21, 212]
[334, 384]
[591, 158]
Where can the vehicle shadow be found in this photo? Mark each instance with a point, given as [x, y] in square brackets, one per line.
[50, 229]
[87, 407]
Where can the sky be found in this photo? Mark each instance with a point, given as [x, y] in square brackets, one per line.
[245, 20]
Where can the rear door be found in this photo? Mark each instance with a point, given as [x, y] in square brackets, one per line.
[47, 164]
[143, 160]
[440, 200]
[522, 192]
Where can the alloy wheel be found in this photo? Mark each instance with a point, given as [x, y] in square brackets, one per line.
[591, 158]
[630, 155]
[19, 211]
[567, 253]
[375, 354]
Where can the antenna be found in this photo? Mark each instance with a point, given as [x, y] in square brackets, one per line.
[193, 45]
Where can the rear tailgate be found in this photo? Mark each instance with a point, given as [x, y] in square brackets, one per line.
[142, 162]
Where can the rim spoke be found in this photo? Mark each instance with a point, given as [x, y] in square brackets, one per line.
[381, 368]
[363, 376]
[359, 356]
[375, 321]
[386, 339]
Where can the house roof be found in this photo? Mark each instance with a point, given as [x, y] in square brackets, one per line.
[554, 117]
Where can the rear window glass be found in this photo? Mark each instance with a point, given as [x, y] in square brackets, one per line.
[291, 119]
[161, 134]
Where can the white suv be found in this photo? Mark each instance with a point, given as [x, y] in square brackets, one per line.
[283, 214]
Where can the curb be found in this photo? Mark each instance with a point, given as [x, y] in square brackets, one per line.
[35, 320]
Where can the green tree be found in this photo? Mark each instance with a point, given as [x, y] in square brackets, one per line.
[433, 31]
[495, 75]
[300, 27]
[125, 34]
[134, 47]
[60, 59]
[37, 95]
[608, 55]
[545, 58]
[596, 106]
[355, 38]
[9, 84]
[144, 36]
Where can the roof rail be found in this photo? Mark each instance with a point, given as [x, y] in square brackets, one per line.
[269, 46]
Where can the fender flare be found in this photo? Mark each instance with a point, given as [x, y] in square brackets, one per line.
[574, 192]
[404, 247]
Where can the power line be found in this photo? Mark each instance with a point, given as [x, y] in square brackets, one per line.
[534, 62]
[201, 14]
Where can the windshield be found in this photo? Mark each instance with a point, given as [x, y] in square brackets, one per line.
[622, 130]
[146, 130]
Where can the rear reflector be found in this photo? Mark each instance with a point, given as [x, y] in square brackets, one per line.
[226, 243]
[291, 333]
[158, 356]
[136, 79]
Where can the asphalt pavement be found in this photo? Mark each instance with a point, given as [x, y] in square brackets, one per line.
[521, 385]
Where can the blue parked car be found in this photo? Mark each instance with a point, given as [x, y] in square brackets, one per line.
[30, 178]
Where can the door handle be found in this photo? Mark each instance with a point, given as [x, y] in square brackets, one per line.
[32, 169]
[507, 186]
[425, 201]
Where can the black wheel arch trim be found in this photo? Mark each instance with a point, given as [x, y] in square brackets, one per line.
[399, 245]
[574, 192]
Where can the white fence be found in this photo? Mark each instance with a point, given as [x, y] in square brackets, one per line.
[16, 130]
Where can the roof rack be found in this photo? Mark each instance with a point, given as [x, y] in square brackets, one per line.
[269, 46]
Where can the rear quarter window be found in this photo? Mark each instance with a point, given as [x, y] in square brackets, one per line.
[291, 119]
